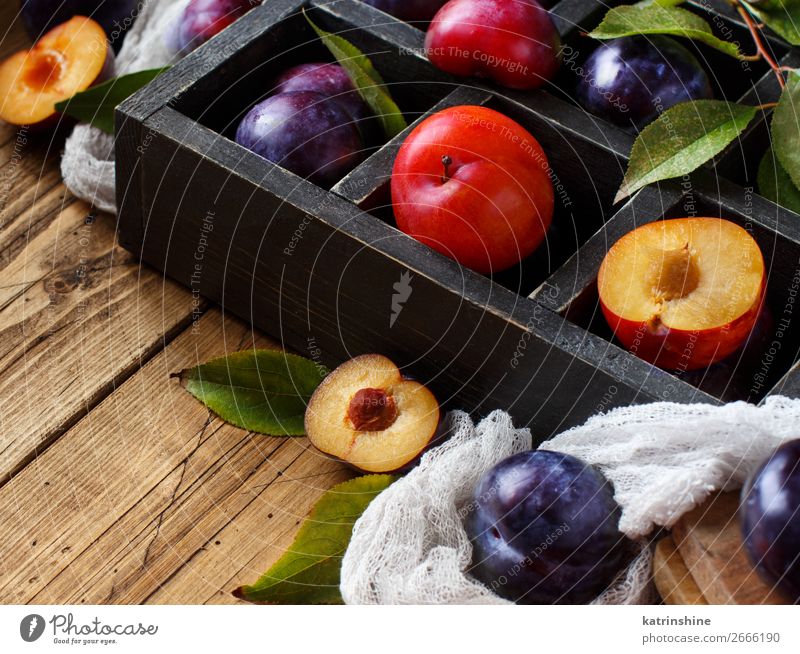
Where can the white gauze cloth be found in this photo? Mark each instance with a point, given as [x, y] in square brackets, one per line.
[88, 162]
[664, 459]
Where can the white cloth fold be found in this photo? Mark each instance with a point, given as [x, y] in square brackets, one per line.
[664, 459]
[88, 162]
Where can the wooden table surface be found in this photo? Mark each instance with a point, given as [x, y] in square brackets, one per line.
[116, 486]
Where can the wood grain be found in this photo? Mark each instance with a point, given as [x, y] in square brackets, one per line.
[710, 544]
[673, 580]
[77, 315]
[148, 484]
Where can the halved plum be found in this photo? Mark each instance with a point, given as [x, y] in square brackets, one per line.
[683, 293]
[368, 415]
[68, 59]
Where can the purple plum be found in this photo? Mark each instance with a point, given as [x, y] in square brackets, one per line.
[409, 10]
[313, 136]
[115, 16]
[629, 81]
[770, 517]
[330, 80]
[544, 530]
[202, 19]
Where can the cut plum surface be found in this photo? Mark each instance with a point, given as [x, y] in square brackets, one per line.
[69, 58]
[368, 415]
[683, 293]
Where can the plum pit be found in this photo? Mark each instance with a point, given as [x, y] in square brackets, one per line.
[674, 274]
[372, 409]
[44, 69]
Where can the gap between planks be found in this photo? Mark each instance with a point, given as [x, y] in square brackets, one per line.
[146, 499]
[79, 315]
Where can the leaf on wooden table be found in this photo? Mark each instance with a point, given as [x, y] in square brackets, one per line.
[366, 79]
[657, 18]
[96, 105]
[786, 128]
[782, 16]
[775, 184]
[682, 139]
[308, 573]
[265, 391]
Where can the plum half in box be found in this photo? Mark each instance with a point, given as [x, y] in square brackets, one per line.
[325, 270]
[767, 362]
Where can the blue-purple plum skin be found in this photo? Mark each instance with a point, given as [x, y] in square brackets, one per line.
[544, 530]
[770, 519]
[305, 132]
[115, 16]
[202, 19]
[629, 81]
[409, 10]
[330, 80]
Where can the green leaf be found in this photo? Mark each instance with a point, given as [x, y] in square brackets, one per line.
[366, 79]
[663, 3]
[775, 184]
[265, 391]
[786, 128]
[681, 140]
[658, 19]
[96, 105]
[308, 573]
[782, 16]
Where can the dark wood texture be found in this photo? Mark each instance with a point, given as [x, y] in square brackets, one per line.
[318, 267]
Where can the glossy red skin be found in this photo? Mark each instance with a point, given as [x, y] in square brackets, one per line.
[496, 205]
[512, 42]
[676, 349]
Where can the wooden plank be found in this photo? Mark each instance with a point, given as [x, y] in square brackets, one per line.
[148, 485]
[673, 580]
[31, 193]
[252, 541]
[77, 316]
[709, 541]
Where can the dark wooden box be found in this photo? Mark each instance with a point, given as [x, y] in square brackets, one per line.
[320, 268]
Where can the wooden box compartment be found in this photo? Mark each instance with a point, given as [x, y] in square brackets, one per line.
[326, 271]
[764, 365]
[731, 79]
